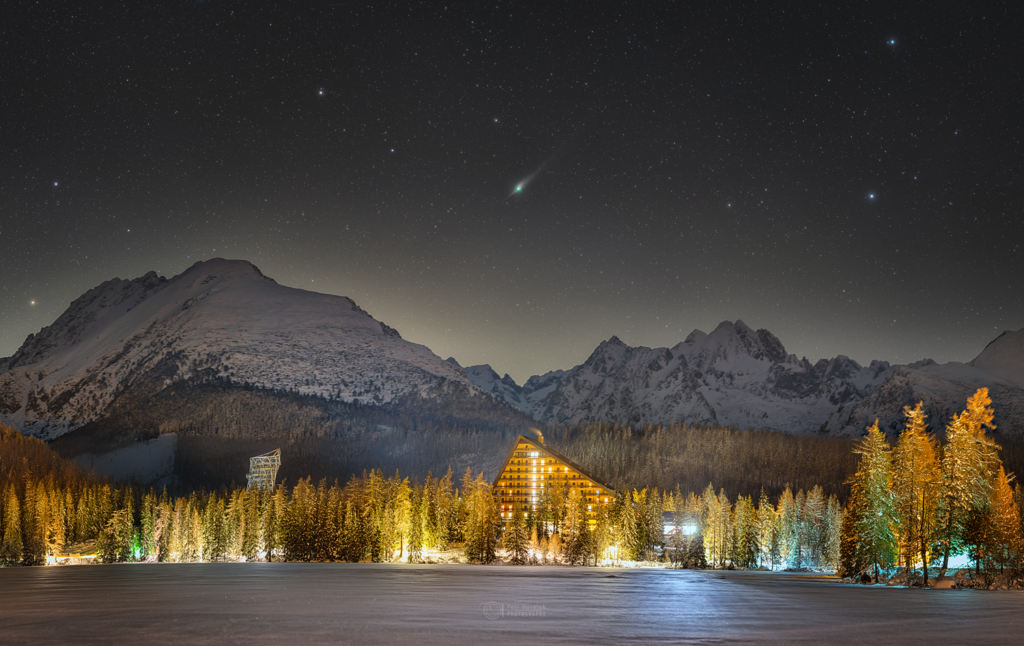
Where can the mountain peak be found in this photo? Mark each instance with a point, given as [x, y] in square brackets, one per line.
[1004, 357]
[217, 319]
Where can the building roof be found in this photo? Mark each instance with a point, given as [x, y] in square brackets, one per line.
[522, 439]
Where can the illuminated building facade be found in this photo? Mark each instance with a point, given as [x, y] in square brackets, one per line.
[532, 468]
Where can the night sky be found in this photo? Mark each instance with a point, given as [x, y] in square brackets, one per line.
[848, 178]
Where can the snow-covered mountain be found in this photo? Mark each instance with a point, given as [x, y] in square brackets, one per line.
[732, 376]
[740, 377]
[944, 389]
[219, 318]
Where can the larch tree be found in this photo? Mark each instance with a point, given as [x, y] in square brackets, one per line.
[11, 547]
[1006, 536]
[970, 462]
[916, 480]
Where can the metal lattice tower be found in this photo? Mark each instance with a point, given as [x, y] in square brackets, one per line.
[263, 470]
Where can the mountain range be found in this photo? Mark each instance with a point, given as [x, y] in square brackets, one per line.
[736, 376]
[129, 342]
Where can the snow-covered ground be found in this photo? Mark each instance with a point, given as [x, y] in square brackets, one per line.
[451, 604]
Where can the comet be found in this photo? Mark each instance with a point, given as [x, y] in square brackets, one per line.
[551, 158]
[521, 185]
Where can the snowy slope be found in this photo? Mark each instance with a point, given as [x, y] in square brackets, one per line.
[732, 376]
[944, 389]
[222, 317]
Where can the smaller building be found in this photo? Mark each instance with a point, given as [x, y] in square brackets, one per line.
[263, 470]
[532, 468]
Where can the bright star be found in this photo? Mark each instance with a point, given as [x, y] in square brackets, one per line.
[871, 195]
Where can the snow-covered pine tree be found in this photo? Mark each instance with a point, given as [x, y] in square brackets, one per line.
[789, 518]
[871, 497]
[834, 522]
[767, 531]
[516, 539]
[970, 462]
[574, 528]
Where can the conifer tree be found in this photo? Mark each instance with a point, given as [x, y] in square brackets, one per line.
[1005, 523]
[745, 536]
[815, 523]
[148, 528]
[970, 462]
[834, 521]
[481, 528]
[766, 530]
[416, 524]
[574, 528]
[655, 521]
[629, 537]
[871, 496]
[55, 525]
[915, 485]
[12, 546]
[515, 538]
[852, 558]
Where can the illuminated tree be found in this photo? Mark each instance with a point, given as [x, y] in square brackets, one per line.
[789, 528]
[416, 524]
[482, 521]
[745, 536]
[575, 534]
[814, 526]
[970, 462]
[11, 547]
[872, 500]
[717, 526]
[916, 479]
[516, 539]
[631, 539]
[1006, 536]
[835, 516]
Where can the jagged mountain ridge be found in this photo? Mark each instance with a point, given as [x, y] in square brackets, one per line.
[219, 317]
[740, 377]
[732, 376]
[944, 389]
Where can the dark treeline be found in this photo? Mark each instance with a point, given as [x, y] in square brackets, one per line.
[690, 456]
[220, 424]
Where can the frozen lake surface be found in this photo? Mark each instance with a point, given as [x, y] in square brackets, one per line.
[285, 603]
